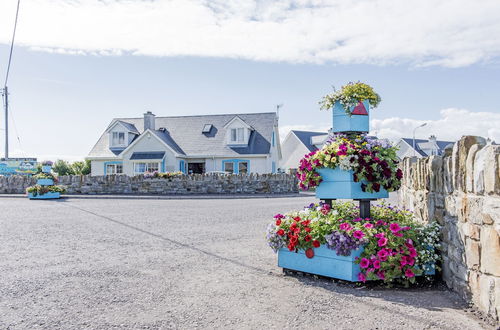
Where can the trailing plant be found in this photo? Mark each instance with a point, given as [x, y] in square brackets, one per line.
[43, 175]
[395, 246]
[373, 162]
[160, 175]
[349, 96]
[41, 190]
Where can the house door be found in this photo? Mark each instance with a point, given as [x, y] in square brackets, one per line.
[196, 168]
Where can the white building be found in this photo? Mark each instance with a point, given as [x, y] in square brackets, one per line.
[423, 148]
[297, 144]
[233, 143]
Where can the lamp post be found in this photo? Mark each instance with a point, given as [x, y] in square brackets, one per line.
[415, 150]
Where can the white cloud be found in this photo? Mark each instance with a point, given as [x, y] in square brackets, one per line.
[421, 32]
[453, 124]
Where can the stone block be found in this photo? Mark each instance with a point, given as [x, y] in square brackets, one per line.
[490, 251]
[469, 167]
[492, 170]
[487, 294]
[472, 254]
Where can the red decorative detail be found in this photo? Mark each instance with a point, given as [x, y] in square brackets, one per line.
[360, 110]
[309, 253]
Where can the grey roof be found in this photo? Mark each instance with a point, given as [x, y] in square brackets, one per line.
[441, 145]
[148, 155]
[305, 138]
[129, 126]
[184, 134]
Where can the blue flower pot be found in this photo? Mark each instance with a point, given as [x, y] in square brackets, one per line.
[46, 169]
[342, 122]
[45, 182]
[339, 184]
[49, 195]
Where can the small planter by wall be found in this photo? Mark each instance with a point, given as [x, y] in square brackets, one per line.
[48, 195]
[339, 184]
[46, 169]
[358, 121]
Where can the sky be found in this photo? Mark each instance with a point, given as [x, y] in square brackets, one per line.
[79, 64]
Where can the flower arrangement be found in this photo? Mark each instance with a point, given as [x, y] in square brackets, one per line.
[43, 175]
[166, 175]
[47, 163]
[373, 162]
[41, 190]
[349, 95]
[395, 246]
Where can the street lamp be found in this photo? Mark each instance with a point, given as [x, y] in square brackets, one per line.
[415, 150]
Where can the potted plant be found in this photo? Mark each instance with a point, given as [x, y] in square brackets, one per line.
[354, 167]
[45, 192]
[45, 179]
[47, 166]
[335, 242]
[351, 107]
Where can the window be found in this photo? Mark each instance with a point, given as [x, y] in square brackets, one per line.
[242, 167]
[112, 169]
[146, 167]
[207, 128]
[118, 138]
[229, 167]
[237, 134]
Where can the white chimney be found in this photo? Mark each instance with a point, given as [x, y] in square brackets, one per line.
[149, 121]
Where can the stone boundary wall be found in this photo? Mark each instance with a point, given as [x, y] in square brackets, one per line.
[182, 185]
[461, 190]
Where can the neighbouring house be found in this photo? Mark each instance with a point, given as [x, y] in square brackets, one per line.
[232, 143]
[297, 144]
[423, 148]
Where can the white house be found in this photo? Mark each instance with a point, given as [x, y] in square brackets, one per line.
[423, 148]
[297, 144]
[233, 143]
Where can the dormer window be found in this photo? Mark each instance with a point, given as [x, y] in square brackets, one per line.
[238, 135]
[118, 138]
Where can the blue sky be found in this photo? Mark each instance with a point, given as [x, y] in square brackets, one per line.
[63, 95]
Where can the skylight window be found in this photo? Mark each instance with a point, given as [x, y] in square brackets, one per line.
[207, 128]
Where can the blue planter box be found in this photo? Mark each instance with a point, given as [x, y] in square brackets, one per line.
[45, 182]
[339, 184]
[327, 263]
[49, 195]
[342, 122]
[46, 169]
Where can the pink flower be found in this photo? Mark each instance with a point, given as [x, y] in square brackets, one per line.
[405, 228]
[379, 235]
[382, 241]
[370, 270]
[382, 253]
[381, 275]
[413, 252]
[409, 273]
[398, 234]
[368, 225]
[410, 261]
[394, 227]
[361, 277]
[376, 264]
[403, 261]
[358, 234]
[357, 220]
[345, 226]
[364, 263]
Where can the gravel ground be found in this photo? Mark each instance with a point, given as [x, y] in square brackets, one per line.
[161, 264]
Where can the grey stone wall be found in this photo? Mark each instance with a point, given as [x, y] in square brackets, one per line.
[461, 190]
[185, 185]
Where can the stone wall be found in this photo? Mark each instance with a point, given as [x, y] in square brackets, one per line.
[461, 190]
[184, 185]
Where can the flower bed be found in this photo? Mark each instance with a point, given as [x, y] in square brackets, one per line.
[350, 95]
[41, 190]
[393, 245]
[373, 162]
[166, 175]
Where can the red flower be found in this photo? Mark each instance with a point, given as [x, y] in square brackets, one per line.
[309, 253]
[307, 229]
[316, 244]
[399, 174]
[278, 222]
[293, 239]
[296, 230]
[307, 238]
[280, 232]
[376, 186]
[409, 273]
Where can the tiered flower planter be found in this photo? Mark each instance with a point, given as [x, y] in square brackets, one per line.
[45, 183]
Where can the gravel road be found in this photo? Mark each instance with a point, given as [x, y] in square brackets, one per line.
[181, 264]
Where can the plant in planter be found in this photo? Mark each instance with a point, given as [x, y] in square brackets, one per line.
[372, 162]
[350, 95]
[47, 163]
[389, 246]
[39, 190]
[45, 176]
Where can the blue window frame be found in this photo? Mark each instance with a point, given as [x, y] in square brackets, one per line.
[113, 168]
[273, 140]
[236, 166]
[182, 166]
[273, 167]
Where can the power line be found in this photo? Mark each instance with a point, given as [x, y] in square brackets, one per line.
[12, 44]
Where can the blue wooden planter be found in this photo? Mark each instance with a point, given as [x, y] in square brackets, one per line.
[342, 122]
[46, 169]
[339, 184]
[327, 263]
[45, 182]
[49, 195]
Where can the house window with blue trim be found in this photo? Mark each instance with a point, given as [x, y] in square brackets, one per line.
[113, 168]
[236, 166]
[182, 166]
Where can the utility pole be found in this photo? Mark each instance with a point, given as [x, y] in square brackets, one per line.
[5, 94]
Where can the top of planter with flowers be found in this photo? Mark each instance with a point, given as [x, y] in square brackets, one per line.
[351, 107]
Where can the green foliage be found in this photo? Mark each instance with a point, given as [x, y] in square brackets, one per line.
[62, 167]
[81, 167]
[41, 190]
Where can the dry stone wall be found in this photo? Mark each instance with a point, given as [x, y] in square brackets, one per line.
[461, 190]
[183, 185]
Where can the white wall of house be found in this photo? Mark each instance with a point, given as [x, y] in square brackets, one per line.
[293, 150]
[406, 150]
[97, 167]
